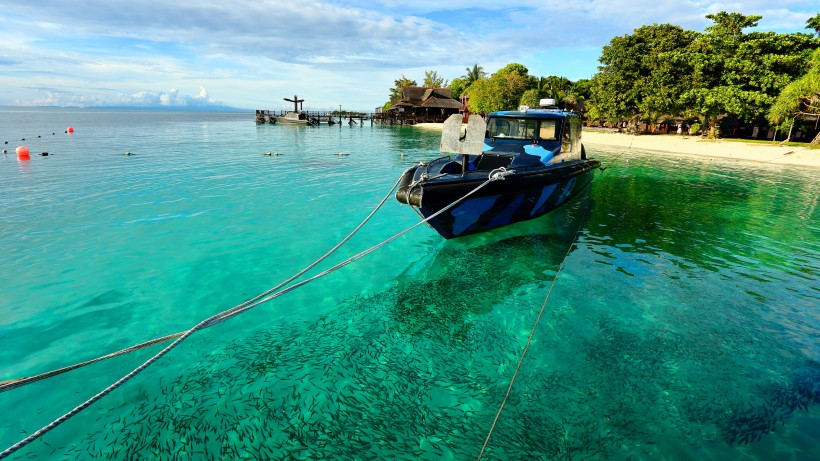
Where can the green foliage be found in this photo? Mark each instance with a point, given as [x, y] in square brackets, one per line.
[731, 24]
[502, 91]
[814, 24]
[642, 75]
[664, 70]
[558, 88]
[473, 74]
[432, 80]
[457, 87]
[514, 68]
[741, 74]
[801, 97]
[531, 98]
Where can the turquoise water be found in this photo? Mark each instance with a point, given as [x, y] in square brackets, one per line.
[683, 325]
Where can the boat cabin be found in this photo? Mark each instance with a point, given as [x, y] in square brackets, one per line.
[546, 135]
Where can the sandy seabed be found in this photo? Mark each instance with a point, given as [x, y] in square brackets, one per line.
[696, 146]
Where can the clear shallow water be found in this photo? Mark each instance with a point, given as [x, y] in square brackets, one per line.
[684, 324]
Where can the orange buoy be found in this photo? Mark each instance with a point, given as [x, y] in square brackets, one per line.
[22, 153]
[69, 130]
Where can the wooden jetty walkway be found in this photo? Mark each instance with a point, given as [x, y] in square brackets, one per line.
[315, 117]
[333, 117]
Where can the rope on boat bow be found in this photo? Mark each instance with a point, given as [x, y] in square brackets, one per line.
[224, 315]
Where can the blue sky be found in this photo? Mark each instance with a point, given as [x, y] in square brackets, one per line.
[252, 54]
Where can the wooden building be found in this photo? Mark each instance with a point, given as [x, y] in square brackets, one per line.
[420, 104]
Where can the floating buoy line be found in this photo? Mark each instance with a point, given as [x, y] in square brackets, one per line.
[261, 298]
[23, 152]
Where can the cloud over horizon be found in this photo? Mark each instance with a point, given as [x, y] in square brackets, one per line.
[172, 98]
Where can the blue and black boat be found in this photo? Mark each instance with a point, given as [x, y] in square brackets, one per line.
[536, 155]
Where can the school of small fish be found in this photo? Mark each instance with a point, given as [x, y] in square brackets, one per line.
[418, 371]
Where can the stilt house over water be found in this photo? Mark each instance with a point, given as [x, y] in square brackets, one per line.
[420, 104]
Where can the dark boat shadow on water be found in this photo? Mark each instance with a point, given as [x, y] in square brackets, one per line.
[438, 296]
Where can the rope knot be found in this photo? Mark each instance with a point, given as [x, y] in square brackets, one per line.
[499, 173]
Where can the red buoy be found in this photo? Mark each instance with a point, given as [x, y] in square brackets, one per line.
[22, 153]
[69, 130]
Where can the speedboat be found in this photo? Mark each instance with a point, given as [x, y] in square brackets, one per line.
[292, 118]
[518, 165]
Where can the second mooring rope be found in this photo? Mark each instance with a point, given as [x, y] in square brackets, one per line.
[529, 341]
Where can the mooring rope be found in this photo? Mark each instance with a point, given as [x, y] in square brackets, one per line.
[15, 383]
[494, 175]
[529, 340]
[628, 149]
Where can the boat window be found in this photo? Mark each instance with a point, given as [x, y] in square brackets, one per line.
[566, 140]
[548, 130]
[514, 128]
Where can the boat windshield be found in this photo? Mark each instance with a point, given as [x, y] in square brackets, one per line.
[523, 128]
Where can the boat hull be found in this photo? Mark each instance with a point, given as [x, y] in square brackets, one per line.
[518, 197]
[290, 121]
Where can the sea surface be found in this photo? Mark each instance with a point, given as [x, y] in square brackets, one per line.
[684, 322]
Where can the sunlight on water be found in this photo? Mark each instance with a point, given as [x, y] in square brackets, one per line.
[683, 324]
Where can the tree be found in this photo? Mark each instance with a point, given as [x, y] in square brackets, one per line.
[502, 91]
[741, 74]
[558, 88]
[579, 94]
[639, 76]
[531, 98]
[432, 80]
[473, 74]
[814, 23]
[458, 86]
[731, 24]
[514, 68]
[801, 97]
[396, 91]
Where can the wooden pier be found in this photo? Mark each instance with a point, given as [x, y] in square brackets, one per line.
[380, 117]
[315, 117]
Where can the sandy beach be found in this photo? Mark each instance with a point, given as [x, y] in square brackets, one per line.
[695, 146]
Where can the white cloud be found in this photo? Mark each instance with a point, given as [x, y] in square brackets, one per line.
[82, 97]
[343, 51]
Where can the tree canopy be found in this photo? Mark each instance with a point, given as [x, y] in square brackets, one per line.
[501, 91]
[665, 70]
[814, 24]
[799, 98]
[433, 80]
[640, 76]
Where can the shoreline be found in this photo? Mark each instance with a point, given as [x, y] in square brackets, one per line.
[693, 146]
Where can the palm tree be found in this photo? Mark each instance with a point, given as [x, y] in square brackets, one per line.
[474, 74]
